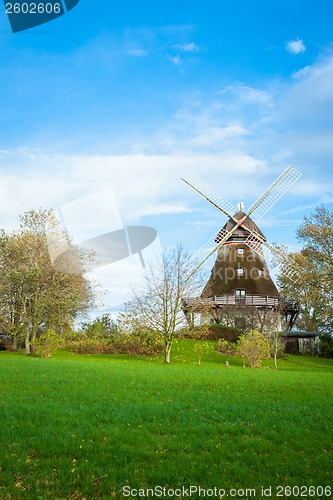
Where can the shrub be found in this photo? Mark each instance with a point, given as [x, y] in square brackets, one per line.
[211, 331]
[228, 348]
[47, 343]
[83, 344]
[254, 347]
[143, 342]
[326, 345]
[201, 348]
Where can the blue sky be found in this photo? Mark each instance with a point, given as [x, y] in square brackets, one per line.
[130, 96]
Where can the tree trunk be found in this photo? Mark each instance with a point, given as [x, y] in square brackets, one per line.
[27, 343]
[167, 351]
[13, 346]
[32, 342]
[276, 348]
[275, 359]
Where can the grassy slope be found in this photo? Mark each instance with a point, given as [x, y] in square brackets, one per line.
[79, 427]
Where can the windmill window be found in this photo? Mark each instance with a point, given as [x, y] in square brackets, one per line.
[240, 251]
[240, 271]
[240, 295]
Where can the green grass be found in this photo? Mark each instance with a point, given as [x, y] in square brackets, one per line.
[76, 427]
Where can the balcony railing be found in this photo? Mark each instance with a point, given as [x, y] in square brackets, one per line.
[232, 300]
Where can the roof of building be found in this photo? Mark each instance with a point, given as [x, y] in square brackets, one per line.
[303, 334]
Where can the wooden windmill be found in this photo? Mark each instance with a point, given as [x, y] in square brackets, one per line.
[240, 291]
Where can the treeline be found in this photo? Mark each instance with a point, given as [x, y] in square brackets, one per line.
[43, 283]
[44, 290]
[313, 269]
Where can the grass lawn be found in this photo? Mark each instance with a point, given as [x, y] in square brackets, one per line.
[79, 426]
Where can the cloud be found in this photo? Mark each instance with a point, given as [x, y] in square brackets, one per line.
[247, 94]
[137, 52]
[175, 60]
[304, 118]
[186, 47]
[295, 47]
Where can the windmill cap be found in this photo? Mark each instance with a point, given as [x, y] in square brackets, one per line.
[241, 232]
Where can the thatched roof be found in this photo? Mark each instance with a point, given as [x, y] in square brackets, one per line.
[240, 232]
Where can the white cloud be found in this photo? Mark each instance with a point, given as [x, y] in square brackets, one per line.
[137, 52]
[176, 60]
[246, 94]
[295, 47]
[187, 47]
[305, 116]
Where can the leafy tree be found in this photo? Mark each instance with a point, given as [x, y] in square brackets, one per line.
[158, 303]
[314, 286]
[36, 292]
[103, 326]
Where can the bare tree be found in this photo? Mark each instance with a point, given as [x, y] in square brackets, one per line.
[158, 303]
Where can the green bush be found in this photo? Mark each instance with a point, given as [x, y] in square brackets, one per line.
[211, 331]
[326, 345]
[83, 344]
[144, 342]
[228, 348]
[254, 347]
[47, 343]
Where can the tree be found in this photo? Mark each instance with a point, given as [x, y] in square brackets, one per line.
[277, 346]
[314, 286]
[38, 293]
[201, 348]
[158, 303]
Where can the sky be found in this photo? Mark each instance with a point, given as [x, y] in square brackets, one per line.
[106, 107]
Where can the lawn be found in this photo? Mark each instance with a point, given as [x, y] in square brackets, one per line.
[79, 426]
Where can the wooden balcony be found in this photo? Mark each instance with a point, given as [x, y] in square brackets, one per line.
[232, 300]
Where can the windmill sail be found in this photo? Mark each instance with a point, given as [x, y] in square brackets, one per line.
[207, 192]
[255, 241]
[275, 191]
[210, 247]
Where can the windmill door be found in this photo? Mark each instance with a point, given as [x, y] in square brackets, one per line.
[240, 296]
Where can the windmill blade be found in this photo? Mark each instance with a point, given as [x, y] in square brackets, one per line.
[203, 254]
[275, 191]
[255, 242]
[207, 192]
[290, 271]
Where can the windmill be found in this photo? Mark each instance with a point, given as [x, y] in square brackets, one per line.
[240, 291]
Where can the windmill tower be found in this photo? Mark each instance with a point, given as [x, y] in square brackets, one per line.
[240, 291]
